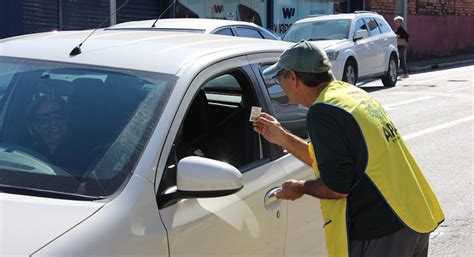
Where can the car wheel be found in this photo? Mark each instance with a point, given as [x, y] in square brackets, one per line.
[350, 72]
[390, 78]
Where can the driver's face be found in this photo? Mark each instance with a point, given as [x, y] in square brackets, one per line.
[50, 122]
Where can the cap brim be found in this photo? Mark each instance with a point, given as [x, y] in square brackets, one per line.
[271, 71]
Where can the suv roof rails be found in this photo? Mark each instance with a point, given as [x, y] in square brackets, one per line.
[363, 11]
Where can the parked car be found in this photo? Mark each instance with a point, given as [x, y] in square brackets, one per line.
[159, 158]
[206, 26]
[359, 45]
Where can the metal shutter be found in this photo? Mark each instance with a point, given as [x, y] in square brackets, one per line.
[84, 14]
[138, 10]
[40, 15]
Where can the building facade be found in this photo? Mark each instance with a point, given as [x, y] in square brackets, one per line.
[437, 27]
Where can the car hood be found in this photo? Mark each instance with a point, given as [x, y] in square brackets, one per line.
[28, 223]
[326, 44]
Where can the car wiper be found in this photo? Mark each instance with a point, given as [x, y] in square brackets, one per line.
[47, 193]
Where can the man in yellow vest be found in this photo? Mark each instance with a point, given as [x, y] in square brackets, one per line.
[374, 198]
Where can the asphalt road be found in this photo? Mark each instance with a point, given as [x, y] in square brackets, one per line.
[434, 112]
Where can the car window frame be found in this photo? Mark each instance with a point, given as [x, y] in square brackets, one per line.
[367, 24]
[249, 28]
[216, 69]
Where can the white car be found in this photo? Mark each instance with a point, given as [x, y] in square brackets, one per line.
[359, 45]
[157, 158]
[206, 26]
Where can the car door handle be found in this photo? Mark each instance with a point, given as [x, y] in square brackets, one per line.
[270, 197]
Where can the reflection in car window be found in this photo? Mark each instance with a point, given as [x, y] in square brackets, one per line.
[291, 116]
[318, 30]
[373, 27]
[73, 129]
[225, 32]
[248, 32]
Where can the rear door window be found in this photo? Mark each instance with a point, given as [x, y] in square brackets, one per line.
[248, 32]
[224, 31]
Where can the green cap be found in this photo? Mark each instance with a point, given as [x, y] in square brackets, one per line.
[301, 57]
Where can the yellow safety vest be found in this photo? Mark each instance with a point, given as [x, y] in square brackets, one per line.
[391, 167]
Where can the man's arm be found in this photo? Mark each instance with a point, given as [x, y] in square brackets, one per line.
[272, 131]
[294, 189]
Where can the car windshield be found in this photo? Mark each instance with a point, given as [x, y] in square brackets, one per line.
[318, 30]
[73, 131]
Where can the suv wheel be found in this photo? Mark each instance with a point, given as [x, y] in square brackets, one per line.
[350, 72]
[390, 78]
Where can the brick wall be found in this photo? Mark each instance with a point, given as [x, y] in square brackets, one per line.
[441, 7]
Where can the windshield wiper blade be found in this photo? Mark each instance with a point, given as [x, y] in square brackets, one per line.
[47, 193]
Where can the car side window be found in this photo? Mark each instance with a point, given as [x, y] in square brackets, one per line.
[384, 28]
[291, 116]
[373, 26]
[359, 25]
[248, 32]
[224, 31]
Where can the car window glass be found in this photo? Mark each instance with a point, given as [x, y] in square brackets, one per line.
[217, 124]
[248, 32]
[291, 116]
[373, 26]
[74, 129]
[225, 32]
[318, 30]
[359, 25]
[383, 25]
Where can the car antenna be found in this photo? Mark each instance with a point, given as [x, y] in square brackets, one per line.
[77, 50]
[173, 3]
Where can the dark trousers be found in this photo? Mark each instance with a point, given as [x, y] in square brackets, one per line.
[402, 51]
[402, 243]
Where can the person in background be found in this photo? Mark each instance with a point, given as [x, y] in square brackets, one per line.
[374, 198]
[402, 42]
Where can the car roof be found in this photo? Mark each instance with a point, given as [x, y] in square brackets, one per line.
[156, 51]
[204, 25]
[339, 16]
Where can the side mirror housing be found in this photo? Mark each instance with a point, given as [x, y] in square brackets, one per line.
[199, 177]
[361, 33]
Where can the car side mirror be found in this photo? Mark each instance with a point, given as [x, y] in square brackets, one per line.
[199, 177]
[361, 33]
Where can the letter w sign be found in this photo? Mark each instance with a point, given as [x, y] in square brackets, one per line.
[288, 12]
[218, 8]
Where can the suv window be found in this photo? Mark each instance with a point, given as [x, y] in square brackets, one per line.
[248, 32]
[383, 25]
[225, 32]
[359, 25]
[291, 116]
[318, 30]
[373, 26]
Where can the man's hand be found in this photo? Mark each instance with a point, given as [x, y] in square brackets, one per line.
[291, 190]
[269, 128]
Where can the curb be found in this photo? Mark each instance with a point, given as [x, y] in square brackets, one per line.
[437, 65]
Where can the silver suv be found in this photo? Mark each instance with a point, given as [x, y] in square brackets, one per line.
[360, 45]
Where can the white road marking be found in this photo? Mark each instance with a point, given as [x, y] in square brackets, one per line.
[389, 106]
[459, 89]
[438, 127]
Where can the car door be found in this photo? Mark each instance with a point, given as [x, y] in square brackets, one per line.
[250, 222]
[305, 235]
[364, 49]
[377, 42]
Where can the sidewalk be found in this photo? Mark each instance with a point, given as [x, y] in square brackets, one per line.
[435, 63]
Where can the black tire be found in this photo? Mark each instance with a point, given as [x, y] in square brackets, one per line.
[349, 74]
[390, 77]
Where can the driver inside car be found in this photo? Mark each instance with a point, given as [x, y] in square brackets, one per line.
[48, 122]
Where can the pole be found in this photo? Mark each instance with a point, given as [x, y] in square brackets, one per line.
[113, 14]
